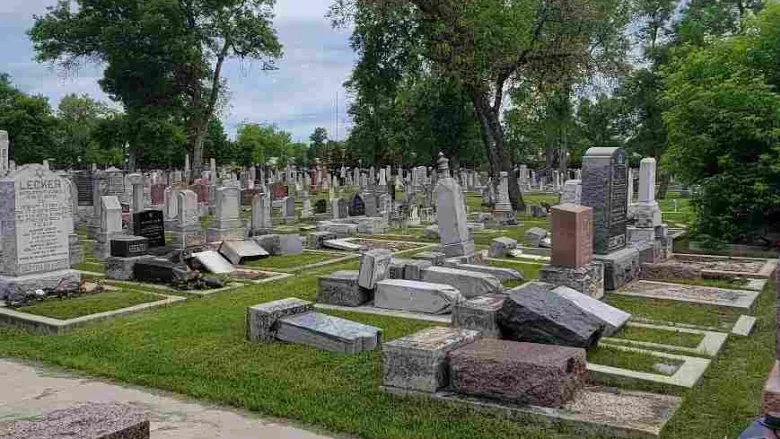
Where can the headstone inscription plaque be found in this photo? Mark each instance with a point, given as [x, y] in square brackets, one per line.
[604, 188]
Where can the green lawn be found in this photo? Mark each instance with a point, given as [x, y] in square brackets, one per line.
[530, 271]
[94, 267]
[637, 361]
[652, 335]
[290, 262]
[91, 304]
[197, 348]
[676, 312]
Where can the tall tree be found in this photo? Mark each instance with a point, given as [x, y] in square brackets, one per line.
[30, 124]
[163, 58]
[487, 44]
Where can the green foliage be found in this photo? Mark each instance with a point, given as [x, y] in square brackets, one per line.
[258, 144]
[29, 121]
[722, 119]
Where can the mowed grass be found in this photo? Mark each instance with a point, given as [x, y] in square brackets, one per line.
[94, 267]
[197, 348]
[71, 308]
[291, 262]
[676, 312]
[529, 271]
[636, 361]
[660, 336]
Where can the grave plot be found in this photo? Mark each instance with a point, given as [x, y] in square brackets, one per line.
[742, 300]
[362, 244]
[57, 315]
[667, 338]
[299, 262]
[689, 266]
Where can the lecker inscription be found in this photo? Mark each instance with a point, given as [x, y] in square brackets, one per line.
[41, 217]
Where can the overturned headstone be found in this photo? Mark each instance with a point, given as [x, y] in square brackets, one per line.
[294, 321]
[213, 262]
[521, 373]
[89, 421]
[415, 296]
[500, 247]
[341, 288]
[500, 273]
[469, 283]
[480, 314]
[614, 319]
[373, 267]
[236, 251]
[534, 236]
[531, 313]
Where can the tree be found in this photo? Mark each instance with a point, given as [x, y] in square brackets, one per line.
[30, 124]
[722, 118]
[174, 76]
[257, 143]
[486, 44]
[318, 146]
[79, 117]
[217, 145]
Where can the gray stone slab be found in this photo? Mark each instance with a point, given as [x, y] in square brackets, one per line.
[342, 244]
[341, 288]
[373, 267]
[122, 268]
[419, 361]
[290, 244]
[500, 273]
[620, 267]
[480, 314]
[500, 246]
[435, 258]
[235, 251]
[613, 318]
[89, 421]
[414, 296]
[328, 333]
[744, 326]
[469, 283]
[370, 309]
[262, 320]
[414, 269]
[587, 279]
[534, 236]
[272, 243]
[214, 262]
[531, 313]
[741, 299]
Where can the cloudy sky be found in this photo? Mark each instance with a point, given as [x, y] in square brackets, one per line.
[298, 97]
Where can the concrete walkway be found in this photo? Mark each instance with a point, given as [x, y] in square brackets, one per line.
[30, 390]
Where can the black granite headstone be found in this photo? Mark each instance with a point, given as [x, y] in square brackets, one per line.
[321, 206]
[150, 224]
[84, 187]
[159, 271]
[129, 246]
[356, 206]
[605, 189]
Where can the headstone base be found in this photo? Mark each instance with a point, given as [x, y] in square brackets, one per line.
[479, 314]
[67, 279]
[587, 279]
[261, 231]
[102, 248]
[118, 268]
[457, 249]
[620, 267]
[341, 288]
[647, 215]
[226, 234]
[185, 237]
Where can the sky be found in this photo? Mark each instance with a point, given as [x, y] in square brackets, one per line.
[298, 97]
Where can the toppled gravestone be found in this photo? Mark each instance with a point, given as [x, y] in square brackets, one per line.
[89, 421]
[534, 236]
[531, 313]
[500, 247]
[469, 283]
[520, 373]
[341, 288]
[414, 296]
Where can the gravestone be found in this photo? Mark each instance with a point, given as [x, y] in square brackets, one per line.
[415, 296]
[341, 288]
[356, 206]
[35, 219]
[227, 223]
[373, 267]
[320, 206]
[129, 246]
[279, 191]
[288, 208]
[572, 192]
[186, 231]
[451, 214]
[261, 215]
[158, 194]
[110, 226]
[151, 225]
[502, 210]
[604, 188]
[84, 183]
[213, 262]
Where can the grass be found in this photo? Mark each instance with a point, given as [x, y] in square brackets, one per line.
[660, 336]
[682, 245]
[714, 283]
[94, 267]
[290, 262]
[197, 348]
[85, 305]
[636, 361]
[676, 312]
[530, 271]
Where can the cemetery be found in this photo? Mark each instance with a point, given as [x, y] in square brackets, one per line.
[512, 239]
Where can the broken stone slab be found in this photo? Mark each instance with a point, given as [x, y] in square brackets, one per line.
[415, 268]
[435, 258]
[396, 268]
[328, 333]
[290, 244]
[122, 268]
[470, 283]
[89, 421]
[272, 243]
[533, 314]
[262, 319]
[587, 279]
[534, 236]
[521, 373]
[479, 314]
[501, 273]
[614, 319]
[316, 240]
[213, 262]
[620, 267]
[373, 267]
[236, 251]
[419, 361]
[341, 288]
[500, 246]
[342, 244]
[414, 296]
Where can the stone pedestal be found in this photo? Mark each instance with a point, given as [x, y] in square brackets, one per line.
[341, 288]
[587, 279]
[230, 230]
[118, 268]
[188, 236]
[64, 279]
[620, 267]
[479, 314]
[647, 215]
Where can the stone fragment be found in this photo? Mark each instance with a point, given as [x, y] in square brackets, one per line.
[415, 268]
[290, 244]
[521, 373]
[435, 258]
[414, 296]
[341, 288]
[613, 318]
[341, 244]
[89, 421]
[620, 267]
[479, 314]
[261, 320]
[316, 240]
[373, 267]
[271, 243]
[534, 236]
[500, 246]
[122, 268]
[419, 361]
[533, 314]
[500, 273]
[587, 279]
[213, 262]
[469, 283]
[328, 333]
[236, 251]
[160, 271]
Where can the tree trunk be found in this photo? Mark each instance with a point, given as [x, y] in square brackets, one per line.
[202, 121]
[664, 186]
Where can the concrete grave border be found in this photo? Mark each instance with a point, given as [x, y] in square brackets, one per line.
[688, 375]
[764, 273]
[274, 276]
[143, 286]
[53, 326]
[370, 309]
[711, 344]
[749, 296]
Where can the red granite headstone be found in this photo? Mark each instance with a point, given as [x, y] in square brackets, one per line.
[572, 235]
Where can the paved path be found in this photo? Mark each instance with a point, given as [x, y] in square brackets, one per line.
[29, 390]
